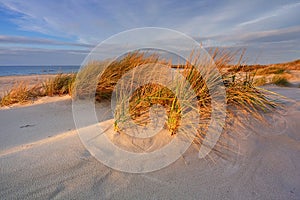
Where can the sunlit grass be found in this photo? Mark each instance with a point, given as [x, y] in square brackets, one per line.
[20, 93]
[260, 81]
[241, 91]
[61, 84]
[241, 94]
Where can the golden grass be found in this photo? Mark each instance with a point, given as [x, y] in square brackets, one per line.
[260, 81]
[110, 76]
[271, 70]
[241, 91]
[267, 69]
[21, 93]
[59, 85]
[241, 94]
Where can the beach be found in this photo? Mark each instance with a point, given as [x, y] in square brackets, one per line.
[42, 157]
[150, 100]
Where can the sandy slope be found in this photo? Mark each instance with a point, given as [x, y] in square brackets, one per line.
[59, 167]
[34, 122]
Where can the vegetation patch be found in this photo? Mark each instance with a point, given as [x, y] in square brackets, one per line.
[61, 84]
[280, 80]
[241, 91]
[260, 81]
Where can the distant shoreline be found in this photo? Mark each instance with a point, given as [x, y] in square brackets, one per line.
[32, 75]
[37, 70]
[20, 75]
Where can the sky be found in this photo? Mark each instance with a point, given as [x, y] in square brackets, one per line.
[40, 32]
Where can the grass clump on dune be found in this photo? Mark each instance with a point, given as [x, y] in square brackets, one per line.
[110, 76]
[241, 93]
[61, 84]
[20, 93]
[280, 80]
[260, 81]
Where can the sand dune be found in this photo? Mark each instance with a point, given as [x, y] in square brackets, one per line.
[36, 166]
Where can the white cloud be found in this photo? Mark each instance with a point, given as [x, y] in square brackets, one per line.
[222, 23]
[29, 40]
[270, 15]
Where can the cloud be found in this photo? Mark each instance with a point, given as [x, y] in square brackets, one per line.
[41, 56]
[93, 21]
[275, 35]
[281, 16]
[30, 40]
[278, 12]
[224, 23]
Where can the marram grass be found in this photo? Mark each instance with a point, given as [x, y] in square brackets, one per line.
[241, 92]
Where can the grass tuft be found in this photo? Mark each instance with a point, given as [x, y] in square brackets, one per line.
[260, 81]
[241, 91]
[241, 94]
[280, 80]
[59, 85]
[21, 93]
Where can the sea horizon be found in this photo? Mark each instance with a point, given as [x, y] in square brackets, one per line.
[23, 70]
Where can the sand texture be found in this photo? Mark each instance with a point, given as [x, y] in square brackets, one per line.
[42, 157]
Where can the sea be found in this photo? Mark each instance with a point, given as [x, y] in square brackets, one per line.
[36, 70]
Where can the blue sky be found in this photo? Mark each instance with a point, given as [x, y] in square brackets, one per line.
[40, 32]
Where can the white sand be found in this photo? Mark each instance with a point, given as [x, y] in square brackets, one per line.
[36, 166]
[25, 124]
